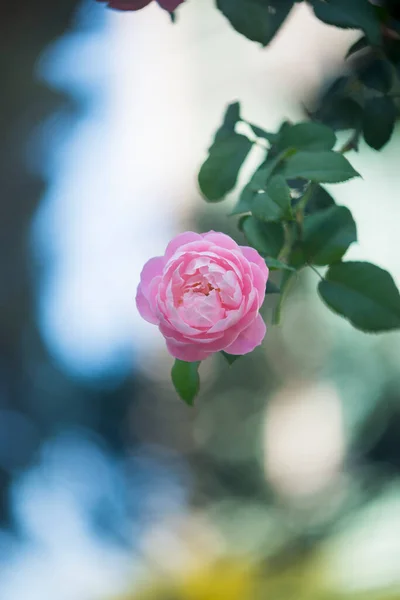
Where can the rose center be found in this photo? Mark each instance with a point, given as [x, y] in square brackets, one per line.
[199, 287]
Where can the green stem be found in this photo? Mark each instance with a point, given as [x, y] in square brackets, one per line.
[350, 144]
[287, 246]
[302, 206]
[315, 271]
[305, 198]
[276, 317]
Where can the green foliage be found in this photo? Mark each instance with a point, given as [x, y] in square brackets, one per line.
[230, 358]
[274, 203]
[231, 117]
[349, 14]
[229, 150]
[294, 223]
[379, 119]
[258, 20]
[307, 136]
[272, 288]
[322, 167]
[257, 184]
[364, 294]
[319, 200]
[219, 173]
[284, 212]
[365, 99]
[267, 238]
[261, 133]
[359, 45]
[327, 234]
[186, 380]
[275, 264]
[377, 75]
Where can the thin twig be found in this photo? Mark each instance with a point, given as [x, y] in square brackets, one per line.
[315, 271]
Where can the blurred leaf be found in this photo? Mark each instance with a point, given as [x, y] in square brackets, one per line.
[232, 116]
[275, 203]
[267, 238]
[272, 288]
[349, 14]
[322, 167]
[261, 133]
[339, 112]
[230, 358]
[275, 264]
[327, 235]
[218, 174]
[377, 75]
[230, 119]
[379, 119]
[360, 44]
[319, 200]
[186, 380]
[258, 20]
[364, 294]
[307, 136]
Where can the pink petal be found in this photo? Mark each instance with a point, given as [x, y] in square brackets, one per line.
[180, 240]
[249, 338]
[144, 307]
[259, 282]
[253, 257]
[153, 268]
[189, 353]
[152, 293]
[200, 311]
[220, 239]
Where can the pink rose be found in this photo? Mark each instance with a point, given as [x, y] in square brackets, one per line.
[169, 5]
[205, 294]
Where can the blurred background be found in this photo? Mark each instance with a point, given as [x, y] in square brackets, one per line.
[283, 481]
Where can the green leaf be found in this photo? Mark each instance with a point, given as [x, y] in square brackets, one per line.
[379, 119]
[322, 167]
[327, 235]
[349, 14]
[360, 44]
[261, 133]
[267, 238]
[320, 199]
[272, 288]
[257, 183]
[275, 203]
[245, 202]
[274, 264]
[377, 75]
[364, 294]
[219, 173]
[186, 380]
[232, 116]
[339, 112]
[307, 136]
[230, 358]
[258, 20]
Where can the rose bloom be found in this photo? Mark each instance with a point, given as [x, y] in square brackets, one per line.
[205, 294]
[169, 5]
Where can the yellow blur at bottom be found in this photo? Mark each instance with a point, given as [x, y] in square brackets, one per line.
[224, 581]
[233, 581]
